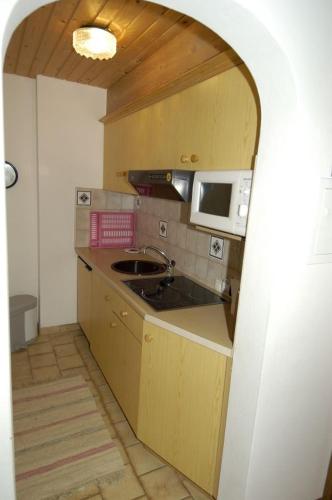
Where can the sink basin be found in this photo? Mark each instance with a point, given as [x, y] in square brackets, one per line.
[139, 267]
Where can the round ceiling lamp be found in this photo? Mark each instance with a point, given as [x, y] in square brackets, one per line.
[93, 42]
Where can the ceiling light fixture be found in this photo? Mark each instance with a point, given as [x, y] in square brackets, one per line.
[97, 43]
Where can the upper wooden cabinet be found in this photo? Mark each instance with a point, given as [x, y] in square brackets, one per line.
[210, 126]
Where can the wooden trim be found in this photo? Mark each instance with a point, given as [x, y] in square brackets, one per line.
[217, 64]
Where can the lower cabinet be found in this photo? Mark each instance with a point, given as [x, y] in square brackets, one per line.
[116, 349]
[173, 391]
[182, 405]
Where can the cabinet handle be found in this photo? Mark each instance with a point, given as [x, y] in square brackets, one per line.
[107, 298]
[113, 325]
[194, 158]
[124, 313]
[148, 338]
[185, 159]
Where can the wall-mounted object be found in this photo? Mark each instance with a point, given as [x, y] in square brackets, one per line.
[220, 200]
[168, 184]
[11, 174]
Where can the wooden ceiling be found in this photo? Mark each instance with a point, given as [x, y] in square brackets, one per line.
[42, 43]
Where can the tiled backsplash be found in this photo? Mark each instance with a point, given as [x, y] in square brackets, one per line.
[187, 246]
[100, 200]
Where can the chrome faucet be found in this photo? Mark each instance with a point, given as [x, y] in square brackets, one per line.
[170, 263]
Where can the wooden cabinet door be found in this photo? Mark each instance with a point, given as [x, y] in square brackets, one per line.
[84, 296]
[180, 408]
[125, 382]
[102, 339]
[117, 351]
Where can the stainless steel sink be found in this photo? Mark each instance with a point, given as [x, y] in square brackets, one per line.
[138, 267]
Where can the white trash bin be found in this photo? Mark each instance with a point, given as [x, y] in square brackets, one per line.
[23, 320]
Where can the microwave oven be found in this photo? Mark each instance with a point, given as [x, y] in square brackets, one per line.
[220, 200]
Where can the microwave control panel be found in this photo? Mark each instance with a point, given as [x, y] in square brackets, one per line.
[244, 197]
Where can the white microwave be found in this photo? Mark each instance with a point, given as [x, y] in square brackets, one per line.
[220, 200]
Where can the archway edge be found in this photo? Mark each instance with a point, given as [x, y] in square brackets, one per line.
[273, 76]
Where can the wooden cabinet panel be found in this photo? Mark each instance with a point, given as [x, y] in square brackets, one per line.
[115, 348]
[182, 395]
[84, 297]
[216, 120]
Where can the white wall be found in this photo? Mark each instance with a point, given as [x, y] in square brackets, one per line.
[22, 216]
[70, 153]
[282, 371]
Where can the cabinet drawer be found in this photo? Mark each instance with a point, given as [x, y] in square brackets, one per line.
[128, 316]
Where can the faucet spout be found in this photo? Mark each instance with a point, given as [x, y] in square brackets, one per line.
[169, 262]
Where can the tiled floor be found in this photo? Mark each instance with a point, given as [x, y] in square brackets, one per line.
[65, 352]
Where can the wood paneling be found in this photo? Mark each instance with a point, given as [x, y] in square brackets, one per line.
[156, 45]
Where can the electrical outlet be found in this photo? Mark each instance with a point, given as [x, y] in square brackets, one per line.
[216, 247]
[163, 228]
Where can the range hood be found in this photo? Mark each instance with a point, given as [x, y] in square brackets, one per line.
[167, 184]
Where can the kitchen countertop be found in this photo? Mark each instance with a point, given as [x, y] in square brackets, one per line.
[208, 325]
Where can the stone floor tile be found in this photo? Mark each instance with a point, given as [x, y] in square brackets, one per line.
[72, 361]
[61, 338]
[42, 337]
[106, 394]
[115, 412]
[65, 349]
[43, 360]
[71, 327]
[19, 383]
[83, 492]
[97, 377]
[127, 436]
[122, 451]
[195, 491]
[95, 497]
[163, 484]
[20, 357]
[21, 370]
[72, 372]
[39, 348]
[122, 486]
[109, 426]
[90, 363]
[82, 343]
[45, 374]
[100, 407]
[143, 460]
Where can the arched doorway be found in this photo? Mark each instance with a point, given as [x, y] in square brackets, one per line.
[283, 131]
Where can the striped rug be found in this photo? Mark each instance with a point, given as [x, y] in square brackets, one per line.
[61, 440]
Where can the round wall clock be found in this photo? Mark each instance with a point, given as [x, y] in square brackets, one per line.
[11, 174]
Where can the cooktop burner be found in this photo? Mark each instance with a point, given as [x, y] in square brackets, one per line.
[172, 292]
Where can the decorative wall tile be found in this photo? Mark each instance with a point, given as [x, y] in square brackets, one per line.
[83, 198]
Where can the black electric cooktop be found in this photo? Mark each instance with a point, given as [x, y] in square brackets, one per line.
[172, 292]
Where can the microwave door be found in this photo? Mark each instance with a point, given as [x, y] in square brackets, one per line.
[215, 199]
